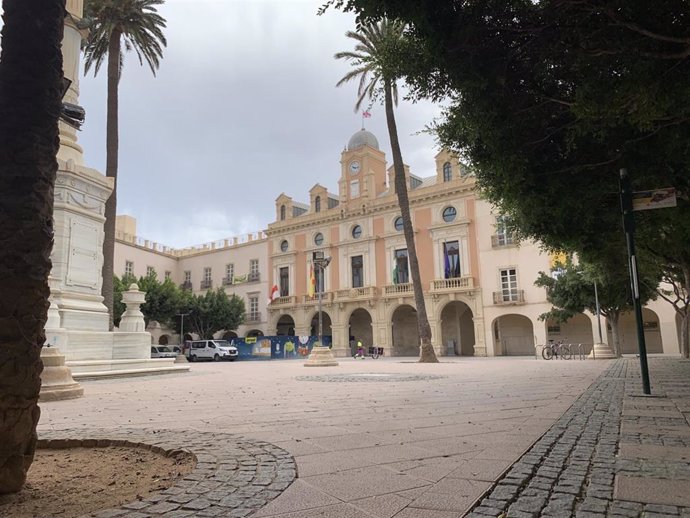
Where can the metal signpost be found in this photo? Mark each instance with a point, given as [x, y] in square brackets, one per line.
[630, 201]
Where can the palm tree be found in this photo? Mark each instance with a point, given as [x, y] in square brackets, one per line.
[30, 102]
[376, 66]
[137, 25]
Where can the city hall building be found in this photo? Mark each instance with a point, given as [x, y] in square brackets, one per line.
[478, 282]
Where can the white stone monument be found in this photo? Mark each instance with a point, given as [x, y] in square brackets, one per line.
[80, 326]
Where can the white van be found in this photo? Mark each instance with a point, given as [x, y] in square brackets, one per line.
[215, 350]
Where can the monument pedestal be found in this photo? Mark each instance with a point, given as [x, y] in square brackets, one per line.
[321, 357]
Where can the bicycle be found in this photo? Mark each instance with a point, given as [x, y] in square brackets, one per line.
[375, 352]
[555, 350]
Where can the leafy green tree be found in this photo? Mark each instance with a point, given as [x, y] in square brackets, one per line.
[114, 24]
[212, 312]
[30, 102]
[570, 288]
[380, 48]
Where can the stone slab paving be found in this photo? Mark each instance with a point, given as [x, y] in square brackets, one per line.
[427, 442]
[614, 453]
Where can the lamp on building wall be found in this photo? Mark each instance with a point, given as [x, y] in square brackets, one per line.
[321, 356]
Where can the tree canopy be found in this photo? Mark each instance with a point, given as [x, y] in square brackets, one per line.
[212, 312]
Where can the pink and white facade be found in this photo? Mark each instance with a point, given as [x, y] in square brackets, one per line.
[478, 283]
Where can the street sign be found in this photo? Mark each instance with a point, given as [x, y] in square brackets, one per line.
[656, 199]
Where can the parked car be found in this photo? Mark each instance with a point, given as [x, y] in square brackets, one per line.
[176, 349]
[161, 351]
[215, 350]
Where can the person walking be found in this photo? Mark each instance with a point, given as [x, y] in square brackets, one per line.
[360, 350]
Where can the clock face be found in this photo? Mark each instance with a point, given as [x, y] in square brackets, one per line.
[354, 167]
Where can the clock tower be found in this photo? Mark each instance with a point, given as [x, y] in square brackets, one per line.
[363, 169]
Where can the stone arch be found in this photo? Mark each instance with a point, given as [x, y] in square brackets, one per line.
[360, 328]
[628, 332]
[285, 326]
[405, 331]
[254, 333]
[163, 339]
[576, 330]
[457, 329]
[326, 322]
[513, 335]
[229, 335]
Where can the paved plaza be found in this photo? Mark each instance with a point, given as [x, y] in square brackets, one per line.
[391, 437]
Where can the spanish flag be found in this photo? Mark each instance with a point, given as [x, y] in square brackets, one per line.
[312, 282]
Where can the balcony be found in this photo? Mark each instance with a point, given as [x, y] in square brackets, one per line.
[288, 300]
[502, 240]
[509, 297]
[227, 281]
[186, 285]
[398, 290]
[206, 285]
[253, 318]
[253, 277]
[464, 283]
[366, 292]
[326, 298]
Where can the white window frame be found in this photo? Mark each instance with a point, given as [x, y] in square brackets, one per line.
[129, 267]
[508, 283]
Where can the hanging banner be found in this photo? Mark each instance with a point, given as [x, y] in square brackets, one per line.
[656, 199]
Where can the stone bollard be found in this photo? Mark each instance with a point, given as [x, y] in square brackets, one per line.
[56, 379]
[133, 319]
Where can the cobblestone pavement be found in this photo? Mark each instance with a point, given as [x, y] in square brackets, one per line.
[233, 476]
[614, 453]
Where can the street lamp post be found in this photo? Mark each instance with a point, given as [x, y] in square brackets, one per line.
[321, 356]
[182, 315]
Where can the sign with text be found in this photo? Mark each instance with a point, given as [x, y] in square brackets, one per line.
[656, 199]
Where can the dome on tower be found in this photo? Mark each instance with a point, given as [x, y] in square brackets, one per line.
[362, 138]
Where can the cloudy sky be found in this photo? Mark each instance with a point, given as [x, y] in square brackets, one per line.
[244, 107]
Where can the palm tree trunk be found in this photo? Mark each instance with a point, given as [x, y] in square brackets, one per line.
[112, 148]
[427, 354]
[30, 102]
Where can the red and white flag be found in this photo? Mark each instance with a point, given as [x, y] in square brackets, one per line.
[274, 294]
[366, 114]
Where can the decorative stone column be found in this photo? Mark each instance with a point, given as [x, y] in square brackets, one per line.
[132, 320]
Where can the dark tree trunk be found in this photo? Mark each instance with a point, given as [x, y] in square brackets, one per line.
[427, 354]
[111, 147]
[30, 91]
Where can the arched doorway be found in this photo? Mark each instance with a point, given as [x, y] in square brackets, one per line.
[360, 329]
[325, 323]
[254, 333]
[229, 335]
[188, 337]
[576, 330]
[285, 326]
[163, 340]
[405, 331]
[628, 332]
[457, 329]
[513, 335]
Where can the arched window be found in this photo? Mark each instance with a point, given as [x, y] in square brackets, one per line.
[317, 204]
[282, 213]
[447, 172]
